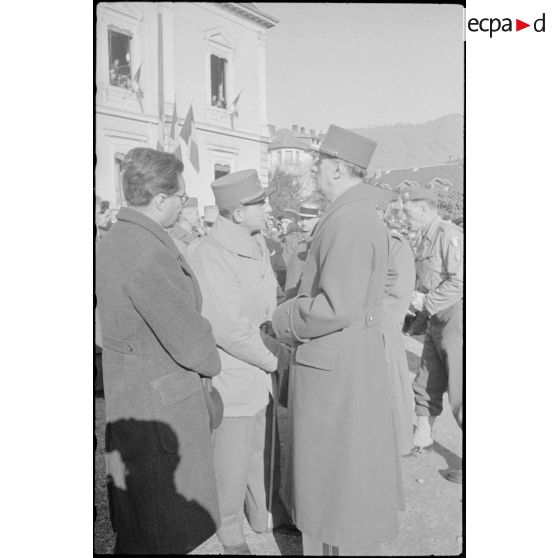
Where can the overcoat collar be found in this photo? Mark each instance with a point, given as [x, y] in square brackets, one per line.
[359, 192]
[229, 236]
[133, 216]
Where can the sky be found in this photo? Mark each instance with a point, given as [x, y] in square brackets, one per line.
[359, 65]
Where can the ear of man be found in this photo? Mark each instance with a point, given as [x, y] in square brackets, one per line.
[238, 215]
[159, 201]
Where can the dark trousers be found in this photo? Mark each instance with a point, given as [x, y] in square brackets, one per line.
[441, 367]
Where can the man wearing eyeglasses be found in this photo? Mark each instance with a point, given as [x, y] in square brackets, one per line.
[156, 349]
[343, 482]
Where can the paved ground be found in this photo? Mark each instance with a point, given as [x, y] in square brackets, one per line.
[430, 524]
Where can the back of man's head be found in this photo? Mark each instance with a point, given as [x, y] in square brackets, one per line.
[146, 173]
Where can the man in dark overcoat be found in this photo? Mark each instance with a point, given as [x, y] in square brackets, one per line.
[343, 488]
[156, 348]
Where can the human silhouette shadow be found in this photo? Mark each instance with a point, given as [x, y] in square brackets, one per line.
[148, 515]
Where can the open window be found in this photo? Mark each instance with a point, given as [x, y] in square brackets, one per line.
[221, 170]
[120, 58]
[218, 81]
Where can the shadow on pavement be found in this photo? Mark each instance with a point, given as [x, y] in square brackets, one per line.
[453, 461]
[288, 545]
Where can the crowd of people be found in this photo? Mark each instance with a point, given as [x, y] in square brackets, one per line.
[208, 325]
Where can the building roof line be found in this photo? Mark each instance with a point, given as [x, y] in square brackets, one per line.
[249, 11]
[414, 169]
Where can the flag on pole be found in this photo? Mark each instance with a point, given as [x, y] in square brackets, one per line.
[136, 87]
[188, 134]
[234, 111]
[161, 137]
[173, 122]
[178, 152]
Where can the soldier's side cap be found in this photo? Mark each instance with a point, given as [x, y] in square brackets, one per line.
[383, 196]
[239, 188]
[411, 191]
[210, 213]
[191, 202]
[348, 146]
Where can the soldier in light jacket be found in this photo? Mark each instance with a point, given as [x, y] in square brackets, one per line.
[239, 293]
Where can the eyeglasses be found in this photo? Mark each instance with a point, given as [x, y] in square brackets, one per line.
[183, 197]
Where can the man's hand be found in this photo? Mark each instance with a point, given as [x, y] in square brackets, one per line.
[417, 301]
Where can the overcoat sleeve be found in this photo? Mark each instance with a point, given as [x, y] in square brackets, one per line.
[345, 259]
[222, 305]
[159, 291]
[450, 289]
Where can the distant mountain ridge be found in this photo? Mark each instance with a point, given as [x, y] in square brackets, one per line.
[416, 145]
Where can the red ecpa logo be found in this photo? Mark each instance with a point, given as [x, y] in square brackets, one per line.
[494, 25]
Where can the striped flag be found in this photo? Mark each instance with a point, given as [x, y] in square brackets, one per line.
[137, 75]
[188, 134]
[234, 111]
[135, 87]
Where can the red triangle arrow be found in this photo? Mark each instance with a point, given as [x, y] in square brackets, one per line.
[519, 25]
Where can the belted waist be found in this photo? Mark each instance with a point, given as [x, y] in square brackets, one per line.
[126, 346]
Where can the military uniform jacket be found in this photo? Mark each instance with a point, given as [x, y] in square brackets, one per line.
[298, 251]
[156, 345]
[439, 263]
[290, 243]
[343, 483]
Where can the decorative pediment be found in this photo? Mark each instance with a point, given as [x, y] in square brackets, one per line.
[220, 37]
[125, 9]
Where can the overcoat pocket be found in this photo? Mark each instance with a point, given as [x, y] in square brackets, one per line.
[316, 356]
[175, 387]
[170, 394]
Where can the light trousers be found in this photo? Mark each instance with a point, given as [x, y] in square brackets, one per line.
[241, 455]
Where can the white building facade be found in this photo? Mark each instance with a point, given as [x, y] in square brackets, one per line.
[200, 54]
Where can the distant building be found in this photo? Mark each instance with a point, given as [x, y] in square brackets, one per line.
[291, 150]
[211, 52]
[450, 173]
